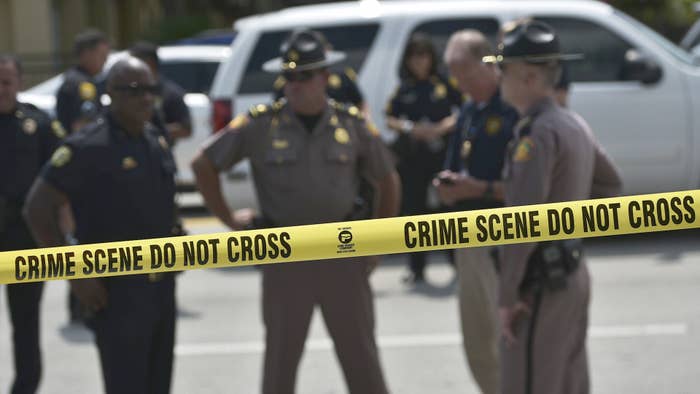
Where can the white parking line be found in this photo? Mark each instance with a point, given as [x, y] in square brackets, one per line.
[427, 340]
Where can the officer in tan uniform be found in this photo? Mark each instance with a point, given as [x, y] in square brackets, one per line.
[545, 288]
[307, 155]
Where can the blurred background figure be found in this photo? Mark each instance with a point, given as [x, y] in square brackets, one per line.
[78, 103]
[421, 114]
[27, 139]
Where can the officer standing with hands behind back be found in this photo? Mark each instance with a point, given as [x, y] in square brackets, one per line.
[27, 140]
[307, 154]
[545, 287]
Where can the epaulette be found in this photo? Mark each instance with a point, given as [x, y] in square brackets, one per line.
[347, 109]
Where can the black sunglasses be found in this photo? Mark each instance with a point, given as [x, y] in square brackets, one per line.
[137, 89]
[299, 76]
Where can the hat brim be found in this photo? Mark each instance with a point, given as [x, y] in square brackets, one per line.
[277, 65]
[499, 59]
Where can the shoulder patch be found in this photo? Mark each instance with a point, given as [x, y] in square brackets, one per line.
[87, 91]
[61, 156]
[523, 151]
[58, 130]
[239, 121]
[440, 91]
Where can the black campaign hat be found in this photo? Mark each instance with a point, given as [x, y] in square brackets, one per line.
[303, 50]
[530, 41]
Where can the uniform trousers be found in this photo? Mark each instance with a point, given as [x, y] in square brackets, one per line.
[478, 309]
[135, 334]
[550, 356]
[341, 289]
[23, 301]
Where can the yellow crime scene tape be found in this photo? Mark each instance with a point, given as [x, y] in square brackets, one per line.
[532, 223]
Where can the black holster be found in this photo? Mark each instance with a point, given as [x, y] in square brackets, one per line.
[551, 264]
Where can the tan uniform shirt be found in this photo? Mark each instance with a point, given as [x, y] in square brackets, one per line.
[302, 177]
[559, 160]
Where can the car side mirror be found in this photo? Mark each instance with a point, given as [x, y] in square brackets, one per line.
[638, 66]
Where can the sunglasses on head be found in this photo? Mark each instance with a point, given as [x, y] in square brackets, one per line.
[137, 89]
[299, 76]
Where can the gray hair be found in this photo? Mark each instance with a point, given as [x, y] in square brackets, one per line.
[465, 44]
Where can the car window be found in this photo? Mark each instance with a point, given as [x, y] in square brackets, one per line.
[354, 40]
[441, 30]
[603, 51]
[193, 77]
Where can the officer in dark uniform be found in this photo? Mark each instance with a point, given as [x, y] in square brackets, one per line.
[544, 288]
[27, 139]
[117, 174]
[171, 114]
[421, 113]
[472, 180]
[78, 98]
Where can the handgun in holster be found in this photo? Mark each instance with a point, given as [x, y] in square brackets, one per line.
[551, 264]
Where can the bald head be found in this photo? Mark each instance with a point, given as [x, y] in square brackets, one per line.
[126, 71]
[131, 86]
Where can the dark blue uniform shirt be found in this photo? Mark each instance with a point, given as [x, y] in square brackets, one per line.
[120, 187]
[77, 98]
[428, 100]
[27, 140]
[486, 130]
[170, 106]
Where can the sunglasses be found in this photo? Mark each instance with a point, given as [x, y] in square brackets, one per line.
[137, 89]
[299, 76]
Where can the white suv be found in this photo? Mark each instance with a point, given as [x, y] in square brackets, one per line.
[639, 92]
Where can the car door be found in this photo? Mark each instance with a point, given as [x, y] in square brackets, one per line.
[644, 126]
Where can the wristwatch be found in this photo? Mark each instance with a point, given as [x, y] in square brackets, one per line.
[407, 126]
[488, 193]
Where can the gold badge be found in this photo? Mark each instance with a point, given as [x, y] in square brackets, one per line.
[238, 122]
[163, 142]
[87, 91]
[61, 156]
[493, 125]
[129, 163]
[58, 129]
[29, 126]
[440, 91]
[523, 151]
[342, 136]
[333, 121]
[280, 144]
[334, 81]
[466, 149]
[293, 55]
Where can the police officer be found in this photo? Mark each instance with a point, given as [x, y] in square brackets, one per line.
[420, 112]
[545, 288]
[307, 154]
[117, 174]
[27, 139]
[78, 98]
[171, 114]
[342, 85]
[472, 180]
